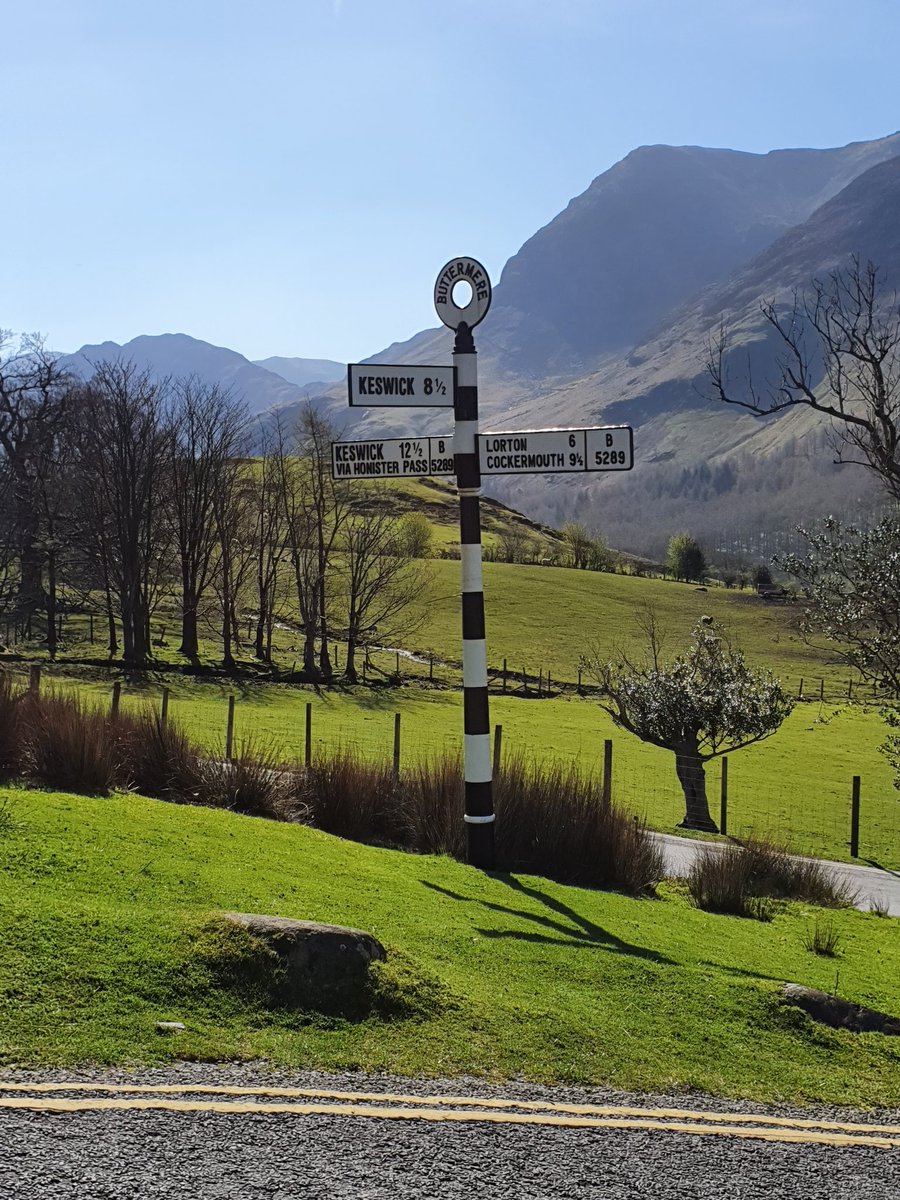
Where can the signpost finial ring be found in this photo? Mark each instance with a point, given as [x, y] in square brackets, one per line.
[462, 270]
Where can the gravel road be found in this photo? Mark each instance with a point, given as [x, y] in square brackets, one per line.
[205, 1155]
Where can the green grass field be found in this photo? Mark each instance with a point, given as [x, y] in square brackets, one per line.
[103, 901]
[544, 619]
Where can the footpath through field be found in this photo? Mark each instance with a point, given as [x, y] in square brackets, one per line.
[871, 885]
[202, 1131]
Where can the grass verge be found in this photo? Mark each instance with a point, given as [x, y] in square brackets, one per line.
[103, 901]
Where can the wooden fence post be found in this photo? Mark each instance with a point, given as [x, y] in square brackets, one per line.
[854, 819]
[164, 712]
[91, 624]
[607, 770]
[229, 730]
[821, 689]
[396, 747]
[34, 680]
[723, 798]
[850, 689]
[579, 681]
[116, 697]
[549, 687]
[307, 749]
[800, 692]
[431, 668]
[524, 682]
[504, 675]
[498, 742]
[540, 679]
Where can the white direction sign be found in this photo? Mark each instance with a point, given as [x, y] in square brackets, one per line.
[392, 458]
[381, 386]
[548, 451]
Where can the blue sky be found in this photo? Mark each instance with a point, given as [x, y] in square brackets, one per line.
[288, 177]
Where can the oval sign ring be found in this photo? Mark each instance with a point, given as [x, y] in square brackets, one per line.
[462, 270]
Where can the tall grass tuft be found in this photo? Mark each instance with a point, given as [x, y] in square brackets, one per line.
[161, 761]
[435, 805]
[734, 879]
[251, 783]
[11, 747]
[777, 872]
[353, 798]
[71, 747]
[823, 939]
[720, 880]
[553, 821]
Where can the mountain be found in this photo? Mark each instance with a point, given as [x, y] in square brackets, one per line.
[699, 462]
[303, 372]
[604, 316]
[655, 228]
[176, 354]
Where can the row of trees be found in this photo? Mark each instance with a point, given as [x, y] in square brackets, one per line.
[124, 495]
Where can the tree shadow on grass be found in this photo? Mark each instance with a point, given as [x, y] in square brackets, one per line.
[569, 927]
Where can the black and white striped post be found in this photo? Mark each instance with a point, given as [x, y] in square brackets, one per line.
[479, 805]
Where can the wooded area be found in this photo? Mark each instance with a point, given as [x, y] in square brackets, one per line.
[121, 493]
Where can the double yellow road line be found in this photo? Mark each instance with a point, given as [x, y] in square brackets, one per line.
[391, 1106]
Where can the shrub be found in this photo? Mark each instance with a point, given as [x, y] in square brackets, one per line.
[554, 821]
[823, 938]
[252, 783]
[161, 761]
[11, 757]
[720, 880]
[71, 747]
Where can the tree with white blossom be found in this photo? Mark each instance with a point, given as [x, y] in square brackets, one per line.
[706, 702]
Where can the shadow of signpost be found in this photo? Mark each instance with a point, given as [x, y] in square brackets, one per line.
[565, 927]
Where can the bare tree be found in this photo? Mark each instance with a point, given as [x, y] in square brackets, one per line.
[330, 502]
[839, 355]
[234, 512]
[36, 398]
[269, 543]
[124, 469]
[386, 585]
[579, 543]
[207, 431]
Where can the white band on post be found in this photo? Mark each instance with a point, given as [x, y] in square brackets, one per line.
[470, 820]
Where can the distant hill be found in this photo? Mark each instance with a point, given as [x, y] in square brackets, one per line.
[177, 354]
[304, 371]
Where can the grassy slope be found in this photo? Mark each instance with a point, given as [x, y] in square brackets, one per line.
[99, 896]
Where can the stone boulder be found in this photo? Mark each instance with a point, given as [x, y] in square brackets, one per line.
[840, 1014]
[319, 961]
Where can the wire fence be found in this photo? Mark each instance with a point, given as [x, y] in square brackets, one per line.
[845, 808]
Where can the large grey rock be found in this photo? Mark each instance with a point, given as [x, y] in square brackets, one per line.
[318, 959]
[840, 1014]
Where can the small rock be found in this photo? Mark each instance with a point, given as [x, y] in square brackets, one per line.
[840, 1014]
[169, 1027]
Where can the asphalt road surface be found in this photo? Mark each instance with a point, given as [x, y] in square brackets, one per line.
[198, 1132]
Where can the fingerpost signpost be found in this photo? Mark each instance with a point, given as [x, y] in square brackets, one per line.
[468, 455]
